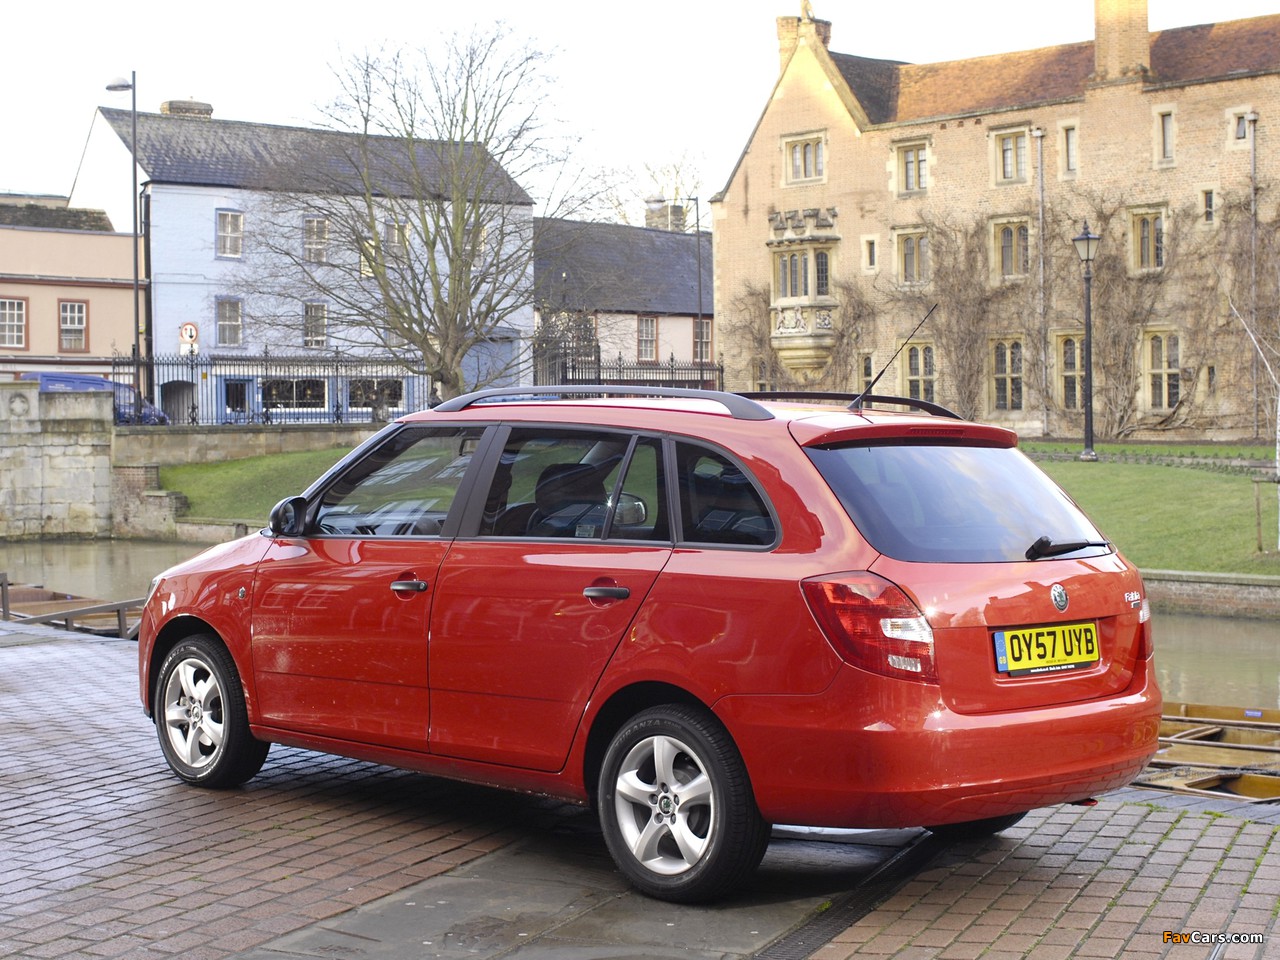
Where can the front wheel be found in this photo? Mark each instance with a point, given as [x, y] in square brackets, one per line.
[676, 806]
[201, 719]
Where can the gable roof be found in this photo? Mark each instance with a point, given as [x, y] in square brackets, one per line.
[54, 218]
[615, 268]
[894, 92]
[201, 151]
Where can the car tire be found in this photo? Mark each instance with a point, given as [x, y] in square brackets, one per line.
[676, 806]
[975, 829]
[201, 719]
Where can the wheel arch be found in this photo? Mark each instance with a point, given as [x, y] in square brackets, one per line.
[621, 706]
[170, 635]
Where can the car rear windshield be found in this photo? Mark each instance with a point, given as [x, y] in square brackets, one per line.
[952, 504]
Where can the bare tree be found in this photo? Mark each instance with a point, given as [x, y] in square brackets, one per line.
[412, 225]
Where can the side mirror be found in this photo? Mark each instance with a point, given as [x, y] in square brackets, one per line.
[287, 517]
[631, 510]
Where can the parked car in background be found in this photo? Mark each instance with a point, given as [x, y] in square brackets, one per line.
[129, 408]
[703, 613]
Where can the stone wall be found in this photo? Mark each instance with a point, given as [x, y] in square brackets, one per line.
[1217, 594]
[67, 471]
[173, 445]
[55, 463]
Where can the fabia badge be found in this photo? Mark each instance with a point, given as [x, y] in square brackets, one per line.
[1059, 595]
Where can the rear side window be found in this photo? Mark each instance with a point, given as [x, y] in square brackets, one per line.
[718, 502]
[951, 504]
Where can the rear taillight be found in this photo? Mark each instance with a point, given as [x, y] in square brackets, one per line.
[873, 625]
[1144, 624]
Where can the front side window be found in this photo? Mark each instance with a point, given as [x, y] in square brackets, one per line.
[1007, 365]
[1166, 375]
[73, 326]
[230, 234]
[13, 324]
[578, 484]
[230, 322]
[952, 504]
[404, 488]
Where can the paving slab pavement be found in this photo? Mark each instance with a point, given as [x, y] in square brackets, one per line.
[104, 854]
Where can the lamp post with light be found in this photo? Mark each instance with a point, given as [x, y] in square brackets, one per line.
[657, 203]
[119, 85]
[1087, 249]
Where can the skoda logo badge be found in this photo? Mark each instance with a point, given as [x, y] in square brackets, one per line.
[1059, 595]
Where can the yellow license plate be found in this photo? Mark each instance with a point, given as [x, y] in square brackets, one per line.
[1032, 650]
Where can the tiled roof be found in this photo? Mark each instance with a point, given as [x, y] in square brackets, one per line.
[616, 268]
[896, 92]
[53, 218]
[258, 156]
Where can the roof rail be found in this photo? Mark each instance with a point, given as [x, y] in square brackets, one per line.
[738, 406]
[857, 400]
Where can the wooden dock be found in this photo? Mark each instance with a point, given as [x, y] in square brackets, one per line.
[28, 603]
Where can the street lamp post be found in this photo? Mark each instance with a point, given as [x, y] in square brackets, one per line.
[119, 85]
[656, 203]
[1087, 249]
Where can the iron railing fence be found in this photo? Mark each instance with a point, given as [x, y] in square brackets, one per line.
[554, 367]
[204, 389]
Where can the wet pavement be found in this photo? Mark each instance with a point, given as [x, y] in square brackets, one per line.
[103, 853]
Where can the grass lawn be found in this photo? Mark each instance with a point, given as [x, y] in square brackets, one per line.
[1162, 517]
[247, 489]
[1175, 518]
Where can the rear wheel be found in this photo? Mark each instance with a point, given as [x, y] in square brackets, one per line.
[975, 829]
[201, 719]
[676, 806]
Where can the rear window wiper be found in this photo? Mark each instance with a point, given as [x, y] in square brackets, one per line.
[1047, 547]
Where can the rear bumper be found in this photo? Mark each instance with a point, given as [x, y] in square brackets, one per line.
[871, 752]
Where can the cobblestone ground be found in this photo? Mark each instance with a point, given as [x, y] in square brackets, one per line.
[1128, 878]
[103, 853]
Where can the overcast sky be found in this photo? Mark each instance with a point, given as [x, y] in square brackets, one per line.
[642, 83]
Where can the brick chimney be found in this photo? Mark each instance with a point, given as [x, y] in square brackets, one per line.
[661, 214]
[792, 30]
[1122, 48]
[187, 108]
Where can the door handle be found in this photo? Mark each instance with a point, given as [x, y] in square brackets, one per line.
[409, 586]
[606, 593]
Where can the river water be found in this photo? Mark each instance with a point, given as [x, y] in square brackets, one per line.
[1217, 660]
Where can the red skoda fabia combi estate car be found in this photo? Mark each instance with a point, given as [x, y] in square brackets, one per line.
[700, 612]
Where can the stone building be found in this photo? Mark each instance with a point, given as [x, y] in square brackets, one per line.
[872, 189]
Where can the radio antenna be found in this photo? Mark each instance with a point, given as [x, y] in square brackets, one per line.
[857, 401]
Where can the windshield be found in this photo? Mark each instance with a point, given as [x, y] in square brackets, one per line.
[954, 504]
